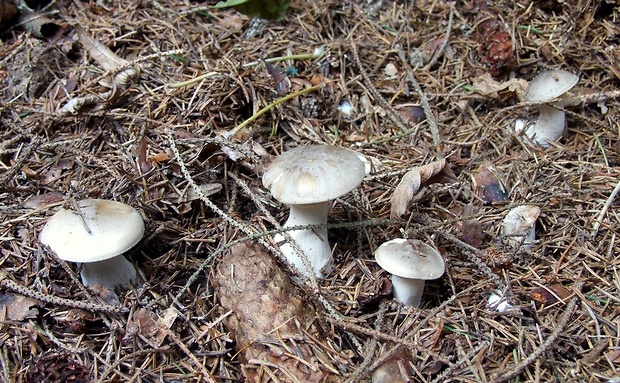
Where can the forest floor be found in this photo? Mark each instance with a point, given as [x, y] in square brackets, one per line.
[157, 125]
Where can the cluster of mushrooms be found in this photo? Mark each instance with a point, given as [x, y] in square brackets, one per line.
[308, 179]
[97, 232]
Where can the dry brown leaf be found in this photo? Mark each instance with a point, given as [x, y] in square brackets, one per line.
[41, 200]
[550, 295]
[153, 329]
[413, 113]
[426, 52]
[486, 85]
[488, 186]
[145, 165]
[471, 229]
[107, 59]
[394, 370]
[283, 83]
[414, 179]
[159, 157]
[17, 307]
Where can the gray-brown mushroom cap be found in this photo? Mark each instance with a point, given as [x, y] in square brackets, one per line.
[410, 258]
[103, 229]
[312, 174]
[548, 85]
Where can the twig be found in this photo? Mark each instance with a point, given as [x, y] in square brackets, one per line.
[88, 306]
[272, 105]
[601, 215]
[396, 118]
[466, 358]
[374, 333]
[444, 43]
[473, 255]
[412, 332]
[430, 118]
[182, 346]
[192, 80]
[111, 368]
[559, 329]
[360, 371]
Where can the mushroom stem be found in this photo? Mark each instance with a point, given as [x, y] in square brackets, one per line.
[312, 242]
[116, 271]
[549, 126]
[408, 291]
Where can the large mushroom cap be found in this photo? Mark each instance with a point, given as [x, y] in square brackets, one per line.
[410, 258]
[101, 230]
[313, 174]
[548, 85]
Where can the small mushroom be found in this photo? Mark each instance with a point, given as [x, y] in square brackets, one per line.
[308, 178]
[96, 236]
[547, 86]
[519, 227]
[410, 262]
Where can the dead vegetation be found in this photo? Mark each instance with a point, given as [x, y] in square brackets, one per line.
[157, 139]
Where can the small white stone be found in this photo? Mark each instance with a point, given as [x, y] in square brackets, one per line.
[498, 302]
[390, 70]
[345, 108]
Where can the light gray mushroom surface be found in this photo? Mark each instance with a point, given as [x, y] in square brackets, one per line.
[544, 88]
[96, 235]
[308, 178]
[410, 262]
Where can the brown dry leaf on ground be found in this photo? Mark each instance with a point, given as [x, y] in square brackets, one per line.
[414, 180]
[158, 142]
[17, 307]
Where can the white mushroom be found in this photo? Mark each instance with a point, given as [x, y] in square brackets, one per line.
[96, 236]
[308, 178]
[547, 86]
[410, 262]
[519, 227]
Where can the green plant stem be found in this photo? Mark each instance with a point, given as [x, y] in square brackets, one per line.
[192, 81]
[264, 110]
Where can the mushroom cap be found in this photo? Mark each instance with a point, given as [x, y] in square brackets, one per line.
[313, 174]
[410, 258]
[549, 84]
[101, 230]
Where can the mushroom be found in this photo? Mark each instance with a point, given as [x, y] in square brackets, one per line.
[96, 236]
[308, 178]
[410, 262]
[519, 227]
[548, 85]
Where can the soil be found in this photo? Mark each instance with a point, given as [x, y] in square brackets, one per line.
[176, 108]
